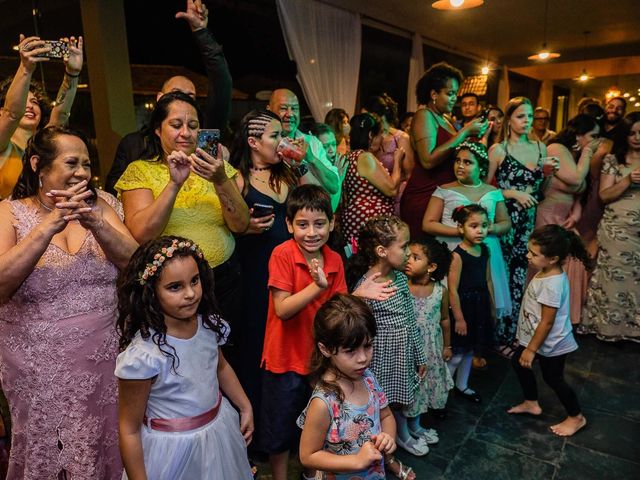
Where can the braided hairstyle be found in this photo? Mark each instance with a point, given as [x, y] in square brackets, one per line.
[344, 321]
[381, 230]
[556, 241]
[138, 305]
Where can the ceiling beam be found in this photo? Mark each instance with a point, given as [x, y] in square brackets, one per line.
[605, 67]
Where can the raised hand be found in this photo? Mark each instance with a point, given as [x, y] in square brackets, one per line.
[196, 14]
[70, 205]
[317, 274]
[208, 167]
[30, 48]
[179, 167]
[73, 61]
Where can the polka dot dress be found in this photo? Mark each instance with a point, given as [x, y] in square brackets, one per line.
[362, 199]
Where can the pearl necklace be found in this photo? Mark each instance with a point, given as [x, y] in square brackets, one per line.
[470, 186]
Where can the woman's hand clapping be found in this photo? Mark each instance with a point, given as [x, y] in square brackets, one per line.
[71, 205]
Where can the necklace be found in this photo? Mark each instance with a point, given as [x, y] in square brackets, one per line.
[256, 178]
[48, 209]
[260, 169]
[470, 186]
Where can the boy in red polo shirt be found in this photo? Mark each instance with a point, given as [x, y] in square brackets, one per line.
[303, 274]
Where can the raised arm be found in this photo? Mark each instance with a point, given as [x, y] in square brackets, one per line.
[146, 217]
[218, 102]
[424, 132]
[570, 172]
[15, 103]
[319, 165]
[67, 92]
[378, 176]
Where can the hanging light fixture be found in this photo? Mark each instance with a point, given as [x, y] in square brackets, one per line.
[544, 54]
[456, 4]
[584, 76]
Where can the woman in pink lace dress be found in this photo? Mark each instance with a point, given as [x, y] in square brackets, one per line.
[60, 247]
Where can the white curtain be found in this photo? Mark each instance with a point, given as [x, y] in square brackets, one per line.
[325, 42]
[503, 88]
[416, 69]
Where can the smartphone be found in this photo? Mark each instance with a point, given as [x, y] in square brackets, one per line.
[209, 140]
[58, 49]
[261, 210]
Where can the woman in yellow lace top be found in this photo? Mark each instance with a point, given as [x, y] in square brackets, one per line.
[181, 190]
[180, 193]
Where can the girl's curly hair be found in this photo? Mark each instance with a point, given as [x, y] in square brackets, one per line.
[138, 305]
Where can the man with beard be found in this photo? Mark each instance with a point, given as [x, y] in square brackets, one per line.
[614, 113]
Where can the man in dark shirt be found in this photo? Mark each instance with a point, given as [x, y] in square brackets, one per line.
[614, 113]
[218, 103]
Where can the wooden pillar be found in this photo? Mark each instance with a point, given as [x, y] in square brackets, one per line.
[107, 59]
[545, 98]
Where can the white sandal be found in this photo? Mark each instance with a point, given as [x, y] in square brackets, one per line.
[414, 446]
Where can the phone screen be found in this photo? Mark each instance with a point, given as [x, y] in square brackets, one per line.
[260, 210]
[208, 140]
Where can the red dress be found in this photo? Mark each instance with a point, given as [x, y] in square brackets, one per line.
[422, 184]
[362, 199]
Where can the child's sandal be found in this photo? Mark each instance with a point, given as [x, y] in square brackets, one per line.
[404, 470]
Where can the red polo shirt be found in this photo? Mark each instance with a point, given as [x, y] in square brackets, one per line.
[288, 344]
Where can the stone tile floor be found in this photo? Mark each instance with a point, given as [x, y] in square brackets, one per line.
[480, 441]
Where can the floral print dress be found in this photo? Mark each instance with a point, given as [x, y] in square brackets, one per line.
[351, 427]
[613, 302]
[513, 175]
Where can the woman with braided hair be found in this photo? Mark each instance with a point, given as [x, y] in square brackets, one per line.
[265, 181]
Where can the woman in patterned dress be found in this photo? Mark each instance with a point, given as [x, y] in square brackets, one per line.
[61, 244]
[516, 165]
[613, 302]
[369, 189]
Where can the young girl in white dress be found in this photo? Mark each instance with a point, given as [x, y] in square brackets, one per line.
[470, 167]
[175, 423]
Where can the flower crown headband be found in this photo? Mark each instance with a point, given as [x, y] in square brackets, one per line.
[166, 252]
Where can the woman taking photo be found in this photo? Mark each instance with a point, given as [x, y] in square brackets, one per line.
[61, 244]
[434, 140]
[186, 192]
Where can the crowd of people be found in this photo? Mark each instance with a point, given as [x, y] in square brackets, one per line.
[299, 291]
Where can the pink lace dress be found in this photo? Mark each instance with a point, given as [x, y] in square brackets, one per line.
[58, 348]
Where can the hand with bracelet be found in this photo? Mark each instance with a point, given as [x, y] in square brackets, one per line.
[73, 61]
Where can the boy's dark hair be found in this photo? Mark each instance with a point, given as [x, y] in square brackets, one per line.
[343, 321]
[138, 305]
[470, 95]
[556, 241]
[321, 129]
[437, 252]
[311, 197]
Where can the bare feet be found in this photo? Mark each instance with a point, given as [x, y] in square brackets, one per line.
[569, 426]
[530, 407]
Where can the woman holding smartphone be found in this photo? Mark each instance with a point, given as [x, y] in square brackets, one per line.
[265, 182]
[182, 190]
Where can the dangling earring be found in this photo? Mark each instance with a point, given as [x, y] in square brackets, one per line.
[576, 147]
[40, 182]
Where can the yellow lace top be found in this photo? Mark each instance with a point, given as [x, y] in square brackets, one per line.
[197, 213]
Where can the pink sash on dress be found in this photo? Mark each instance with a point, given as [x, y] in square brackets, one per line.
[183, 424]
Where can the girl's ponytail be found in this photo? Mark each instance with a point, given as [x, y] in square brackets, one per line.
[576, 248]
[556, 241]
